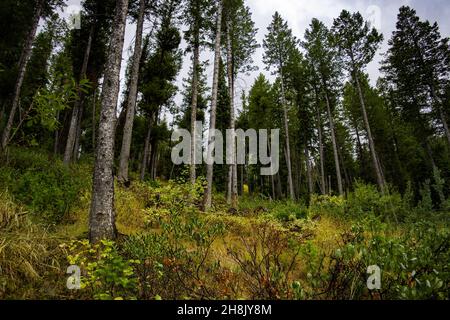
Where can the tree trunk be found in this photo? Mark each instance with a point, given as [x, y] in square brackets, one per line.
[375, 160]
[195, 77]
[232, 172]
[321, 153]
[212, 126]
[94, 121]
[76, 148]
[71, 136]
[286, 129]
[242, 181]
[335, 150]
[146, 152]
[309, 172]
[102, 215]
[134, 78]
[23, 62]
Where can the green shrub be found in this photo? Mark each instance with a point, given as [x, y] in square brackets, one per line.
[331, 205]
[289, 211]
[105, 274]
[366, 200]
[46, 187]
[413, 265]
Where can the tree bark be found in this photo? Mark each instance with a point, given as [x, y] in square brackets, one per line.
[146, 152]
[76, 145]
[23, 62]
[71, 136]
[335, 150]
[195, 77]
[321, 153]
[132, 97]
[94, 121]
[210, 167]
[102, 215]
[232, 172]
[375, 160]
[286, 129]
[309, 172]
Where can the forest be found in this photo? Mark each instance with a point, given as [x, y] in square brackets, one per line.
[93, 206]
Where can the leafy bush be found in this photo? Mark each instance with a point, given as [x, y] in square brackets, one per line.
[331, 205]
[46, 187]
[413, 266]
[367, 200]
[105, 273]
[289, 211]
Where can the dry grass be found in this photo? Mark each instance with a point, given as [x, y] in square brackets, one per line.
[27, 252]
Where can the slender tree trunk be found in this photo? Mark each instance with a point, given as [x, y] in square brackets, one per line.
[94, 121]
[71, 136]
[335, 149]
[375, 160]
[232, 172]
[286, 129]
[210, 166]
[23, 62]
[309, 171]
[242, 181]
[321, 151]
[146, 152]
[195, 78]
[134, 78]
[76, 148]
[102, 215]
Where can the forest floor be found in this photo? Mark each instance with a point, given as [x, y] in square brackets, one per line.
[168, 249]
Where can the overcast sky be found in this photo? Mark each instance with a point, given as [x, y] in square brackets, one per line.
[299, 13]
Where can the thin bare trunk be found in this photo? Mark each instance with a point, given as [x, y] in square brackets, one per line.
[23, 62]
[146, 152]
[195, 76]
[94, 121]
[309, 171]
[132, 97]
[232, 172]
[71, 136]
[210, 166]
[335, 149]
[375, 160]
[102, 215]
[76, 148]
[286, 130]
[321, 153]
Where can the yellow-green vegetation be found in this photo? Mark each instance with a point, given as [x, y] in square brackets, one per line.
[168, 249]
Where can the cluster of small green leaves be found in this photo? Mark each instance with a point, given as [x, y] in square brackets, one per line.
[48, 103]
[413, 266]
[106, 274]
